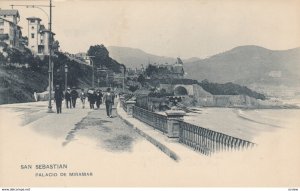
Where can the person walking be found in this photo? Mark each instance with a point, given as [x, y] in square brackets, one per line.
[99, 96]
[82, 98]
[58, 97]
[74, 96]
[108, 99]
[68, 98]
[91, 98]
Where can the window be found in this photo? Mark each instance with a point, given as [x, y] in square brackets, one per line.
[32, 21]
[40, 49]
[32, 35]
[42, 41]
[1, 22]
[1, 31]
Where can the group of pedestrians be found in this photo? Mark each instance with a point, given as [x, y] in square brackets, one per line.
[94, 97]
[71, 98]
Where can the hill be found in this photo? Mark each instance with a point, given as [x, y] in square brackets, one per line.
[134, 58]
[18, 84]
[248, 65]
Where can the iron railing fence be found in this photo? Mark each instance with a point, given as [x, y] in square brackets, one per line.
[207, 141]
[203, 140]
[123, 104]
[155, 120]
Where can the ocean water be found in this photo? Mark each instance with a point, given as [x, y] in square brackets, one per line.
[247, 124]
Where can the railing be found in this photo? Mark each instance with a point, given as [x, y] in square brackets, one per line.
[123, 105]
[155, 120]
[207, 141]
[203, 140]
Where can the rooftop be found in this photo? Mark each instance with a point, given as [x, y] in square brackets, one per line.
[1, 18]
[46, 30]
[33, 18]
[9, 12]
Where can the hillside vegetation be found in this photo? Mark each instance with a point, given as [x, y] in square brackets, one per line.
[18, 84]
[21, 74]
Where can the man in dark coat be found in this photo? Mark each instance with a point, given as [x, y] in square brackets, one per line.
[58, 97]
[68, 98]
[74, 96]
[91, 98]
[99, 96]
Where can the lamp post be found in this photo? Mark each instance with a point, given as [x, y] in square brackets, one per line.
[93, 80]
[50, 60]
[66, 77]
[123, 81]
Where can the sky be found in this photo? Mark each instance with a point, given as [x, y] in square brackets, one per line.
[185, 28]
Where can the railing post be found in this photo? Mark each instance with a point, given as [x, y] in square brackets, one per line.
[174, 117]
[130, 105]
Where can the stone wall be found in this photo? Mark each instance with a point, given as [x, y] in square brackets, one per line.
[227, 101]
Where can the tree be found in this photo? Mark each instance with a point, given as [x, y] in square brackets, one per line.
[100, 57]
[151, 69]
[141, 79]
[133, 88]
[55, 46]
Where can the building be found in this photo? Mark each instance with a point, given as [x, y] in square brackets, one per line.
[38, 37]
[166, 71]
[135, 73]
[83, 57]
[10, 31]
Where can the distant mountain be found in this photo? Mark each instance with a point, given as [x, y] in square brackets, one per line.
[134, 58]
[248, 65]
[193, 59]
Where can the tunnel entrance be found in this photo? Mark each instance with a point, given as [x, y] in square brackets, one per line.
[180, 91]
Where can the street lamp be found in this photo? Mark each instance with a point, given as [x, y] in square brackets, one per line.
[50, 60]
[66, 77]
[123, 81]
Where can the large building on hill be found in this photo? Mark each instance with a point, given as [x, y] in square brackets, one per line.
[165, 71]
[38, 36]
[83, 56]
[10, 31]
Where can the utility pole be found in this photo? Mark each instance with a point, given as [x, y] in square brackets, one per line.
[123, 85]
[50, 71]
[66, 77]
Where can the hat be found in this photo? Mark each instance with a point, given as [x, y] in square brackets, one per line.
[68, 88]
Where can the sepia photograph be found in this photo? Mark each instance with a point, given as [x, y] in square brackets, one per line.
[149, 94]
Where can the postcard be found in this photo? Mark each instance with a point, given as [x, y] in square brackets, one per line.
[127, 93]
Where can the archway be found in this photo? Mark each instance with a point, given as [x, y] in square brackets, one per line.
[180, 91]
